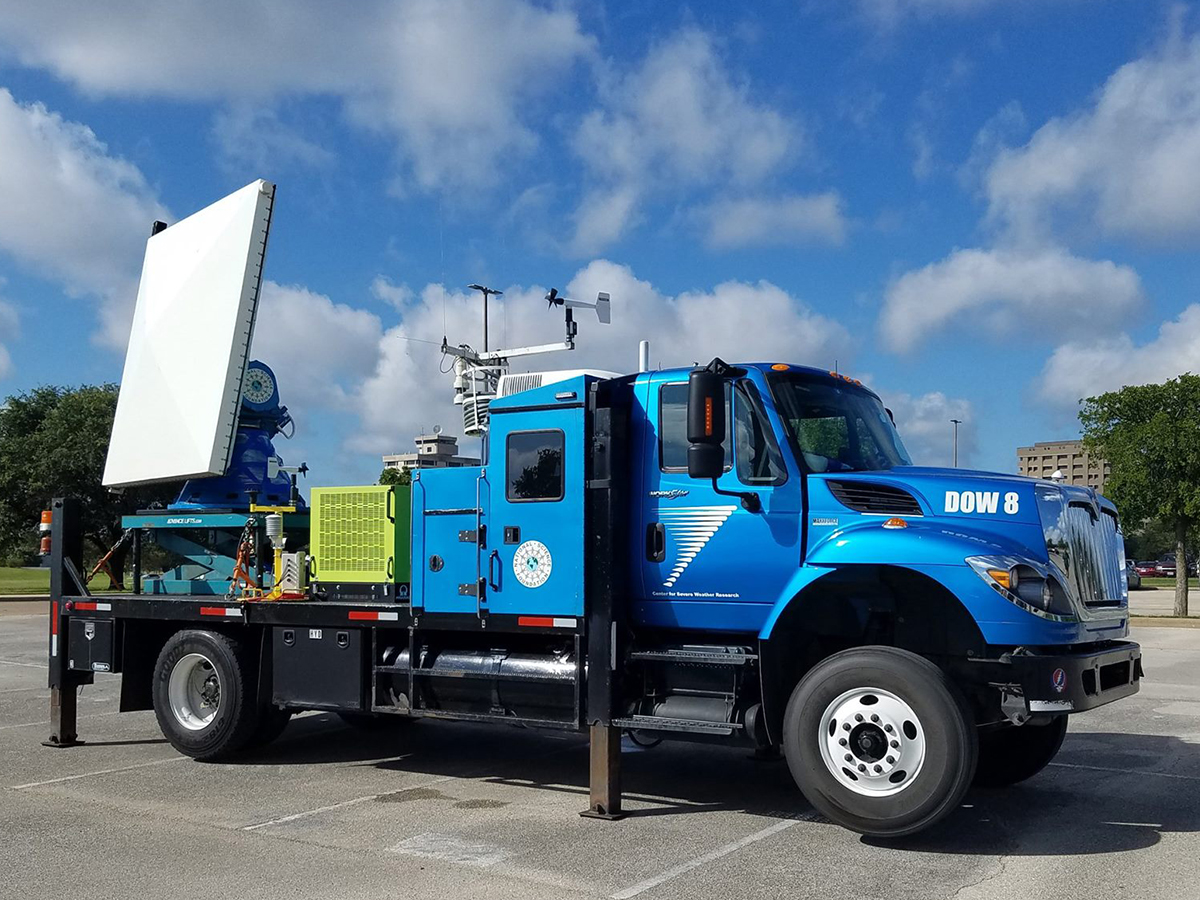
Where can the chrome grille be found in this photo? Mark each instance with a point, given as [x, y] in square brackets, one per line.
[1084, 540]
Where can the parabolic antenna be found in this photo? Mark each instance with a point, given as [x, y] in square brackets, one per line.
[181, 388]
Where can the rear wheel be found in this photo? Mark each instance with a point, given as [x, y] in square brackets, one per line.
[1014, 753]
[880, 741]
[204, 694]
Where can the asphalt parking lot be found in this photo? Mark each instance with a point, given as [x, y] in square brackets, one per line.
[459, 811]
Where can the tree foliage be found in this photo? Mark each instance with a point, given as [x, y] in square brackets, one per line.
[395, 476]
[1150, 436]
[53, 443]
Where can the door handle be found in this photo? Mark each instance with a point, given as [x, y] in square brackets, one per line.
[656, 542]
[493, 558]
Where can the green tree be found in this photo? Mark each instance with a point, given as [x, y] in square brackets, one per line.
[53, 443]
[395, 476]
[1150, 435]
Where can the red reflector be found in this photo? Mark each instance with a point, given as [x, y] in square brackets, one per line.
[214, 611]
[85, 604]
[54, 617]
[360, 616]
[536, 621]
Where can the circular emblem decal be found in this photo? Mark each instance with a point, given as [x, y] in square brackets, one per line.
[532, 564]
[1059, 680]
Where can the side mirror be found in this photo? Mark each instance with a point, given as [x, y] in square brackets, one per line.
[706, 424]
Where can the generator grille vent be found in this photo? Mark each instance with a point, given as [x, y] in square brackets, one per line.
[354, 531]
[514, 384]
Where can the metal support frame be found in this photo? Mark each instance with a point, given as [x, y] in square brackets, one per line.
[66, 562]
[605, 615]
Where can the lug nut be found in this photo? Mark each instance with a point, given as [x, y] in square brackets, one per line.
[891, 760]
[845, 726]
[874, 718]
[858, 717]
[843, 741]
[861, 767]
[895, 745]
[849, 758]
[878, 769]
[888, 728]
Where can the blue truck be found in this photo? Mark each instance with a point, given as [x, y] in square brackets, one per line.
[731, 554]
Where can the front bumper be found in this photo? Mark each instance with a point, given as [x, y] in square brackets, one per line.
[1075, 681]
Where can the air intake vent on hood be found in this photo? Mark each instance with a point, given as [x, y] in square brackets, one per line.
[871, 497]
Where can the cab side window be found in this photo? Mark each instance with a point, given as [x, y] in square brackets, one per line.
[534, 465]
[672, 427]
[759, 460]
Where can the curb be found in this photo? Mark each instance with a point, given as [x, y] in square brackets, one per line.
[1164, 622]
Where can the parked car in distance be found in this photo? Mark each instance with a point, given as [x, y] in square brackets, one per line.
[1165, 568]
[1132, 578]
[1146, 568]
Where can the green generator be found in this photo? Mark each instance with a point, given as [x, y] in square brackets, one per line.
[359, 542]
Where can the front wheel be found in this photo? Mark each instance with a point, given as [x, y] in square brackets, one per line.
[880, 741]
[1014, 753]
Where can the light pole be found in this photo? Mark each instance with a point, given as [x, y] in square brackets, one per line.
[956, 422]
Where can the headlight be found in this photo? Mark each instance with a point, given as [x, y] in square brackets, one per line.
[1030, 586]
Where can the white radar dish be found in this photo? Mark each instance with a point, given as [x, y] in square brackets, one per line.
[181, 387]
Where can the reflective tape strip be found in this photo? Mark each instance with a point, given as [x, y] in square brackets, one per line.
[545, 622]
[54, 618]
[92, 605]
[359, 615]
[220, 611]
[54, 645]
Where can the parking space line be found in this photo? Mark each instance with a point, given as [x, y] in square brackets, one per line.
[1125, 771]
[282, 820]
[9, 662]
[46, 722]
[712, 855]
[156, 762]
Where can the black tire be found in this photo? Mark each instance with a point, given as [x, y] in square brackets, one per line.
[947, 728]
[1012, 754]
[236, 717]
[271, 723]
[373, 722]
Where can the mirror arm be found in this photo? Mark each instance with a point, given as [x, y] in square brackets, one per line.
[750, 500]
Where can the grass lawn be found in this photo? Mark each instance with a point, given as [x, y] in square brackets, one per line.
[1148, 582]
[24, 581]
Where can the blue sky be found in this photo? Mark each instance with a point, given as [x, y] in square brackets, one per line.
[984, 209]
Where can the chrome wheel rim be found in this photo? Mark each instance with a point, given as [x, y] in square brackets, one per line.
[194, 691]
[872, 742]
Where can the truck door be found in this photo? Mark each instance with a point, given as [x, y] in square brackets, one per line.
[706, 557]
[533, 557]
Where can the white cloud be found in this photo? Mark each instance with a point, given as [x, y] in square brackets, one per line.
[319, 350]
[9, 330]
[395, 295]
[1129, 163]
[681, 118]
[406, 393]
[999, 290]
[448, 80]
[924, 424]
[1084, 369]
[791, 219]
[250, 137]
[71, 211]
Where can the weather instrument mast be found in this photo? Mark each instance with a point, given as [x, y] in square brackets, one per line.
[477, 373]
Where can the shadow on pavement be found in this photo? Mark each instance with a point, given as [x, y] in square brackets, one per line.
[1068, 809]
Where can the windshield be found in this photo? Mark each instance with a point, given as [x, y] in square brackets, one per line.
[836, 427]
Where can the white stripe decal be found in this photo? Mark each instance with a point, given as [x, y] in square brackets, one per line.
[691, 528]
[103, 607]
[564, 623]
[387, 617]
[54, 645]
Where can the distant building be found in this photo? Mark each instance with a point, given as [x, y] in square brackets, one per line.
[1046, 458]
[434, 451]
